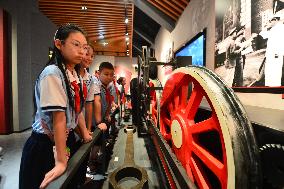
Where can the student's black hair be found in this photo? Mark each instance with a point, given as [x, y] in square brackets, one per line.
[62, 34]
[106, 65]
[91, 45]
[120, 80]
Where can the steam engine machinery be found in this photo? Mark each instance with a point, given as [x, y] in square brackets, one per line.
[201, 131]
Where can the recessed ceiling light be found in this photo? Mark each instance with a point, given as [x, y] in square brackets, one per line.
[126, 34]
[101, 35]
[84, 8]
[127, 38]
[126, 20]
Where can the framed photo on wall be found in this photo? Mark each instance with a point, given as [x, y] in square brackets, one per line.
[249, 44]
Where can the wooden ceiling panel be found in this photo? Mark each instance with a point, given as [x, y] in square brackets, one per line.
[172, 8]
[101, 17]
[164, 8]
[105, 17]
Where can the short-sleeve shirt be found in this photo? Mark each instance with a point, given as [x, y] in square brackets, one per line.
[104, 100]
[51, 95]
[91, 88]
[97, 83]
[112, 90]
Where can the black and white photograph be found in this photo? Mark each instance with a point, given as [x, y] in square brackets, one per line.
[248, 46]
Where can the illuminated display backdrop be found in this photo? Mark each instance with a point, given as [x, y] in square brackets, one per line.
[195, 48]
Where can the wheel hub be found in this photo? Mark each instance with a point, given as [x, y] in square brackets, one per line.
[176, 133]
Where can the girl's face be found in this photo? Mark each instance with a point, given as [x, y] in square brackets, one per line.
[88, 58]
[124, 81]
[73, 48]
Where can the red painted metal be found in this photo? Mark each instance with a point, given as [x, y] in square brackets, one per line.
[2, 117]
[176, 105]
[4, 77]
[153, 103]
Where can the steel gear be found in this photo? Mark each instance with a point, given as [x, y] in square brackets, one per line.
[272, 156]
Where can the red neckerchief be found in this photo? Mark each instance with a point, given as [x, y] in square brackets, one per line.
[108, 95]
[76, 96]
[85, 90]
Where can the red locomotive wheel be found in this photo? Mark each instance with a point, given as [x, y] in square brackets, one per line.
[220, 151]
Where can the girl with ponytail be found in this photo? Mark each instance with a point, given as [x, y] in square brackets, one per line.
[58, 101]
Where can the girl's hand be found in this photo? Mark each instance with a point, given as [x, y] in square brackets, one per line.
[108, 118]
[90, 132]
[57, 171]
[87, 137]
[102, 126]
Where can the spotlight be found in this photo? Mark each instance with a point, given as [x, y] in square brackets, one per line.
[84, 8]
[126, 20]
[101, 35]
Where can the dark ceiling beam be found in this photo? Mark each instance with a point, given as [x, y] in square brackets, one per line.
[157, 15]
[137, 48]
[144, 36]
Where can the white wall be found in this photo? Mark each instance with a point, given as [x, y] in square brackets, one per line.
[163, 43]
[264, 100]
[127, 63]
[98, 60]
[199, 14]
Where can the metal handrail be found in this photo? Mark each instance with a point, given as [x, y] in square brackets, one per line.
[74, 163]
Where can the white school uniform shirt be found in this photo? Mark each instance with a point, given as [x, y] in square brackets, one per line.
[91, 88]
[98, 85]
[112, 91]
[97, 91]
[51, 95]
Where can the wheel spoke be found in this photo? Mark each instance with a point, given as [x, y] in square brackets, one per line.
[163, 129]
[199, 175]
[167, 121]
[193, 103]
[176, 101]
[204, 126]
[171, 108]
[154, 111]
[210, 161]
[183, 95]
[189, 170]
